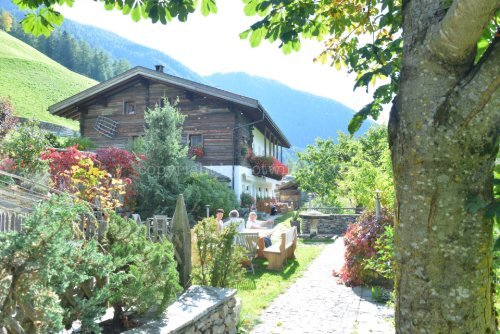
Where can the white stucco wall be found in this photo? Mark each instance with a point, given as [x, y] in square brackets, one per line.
[244, 181]
[258, 142]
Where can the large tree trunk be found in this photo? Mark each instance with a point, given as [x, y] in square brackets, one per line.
[443, 131]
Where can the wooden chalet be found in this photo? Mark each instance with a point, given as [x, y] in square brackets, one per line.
[221, 123]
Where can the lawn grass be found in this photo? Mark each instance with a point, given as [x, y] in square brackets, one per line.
[258, 290]
[33, 81]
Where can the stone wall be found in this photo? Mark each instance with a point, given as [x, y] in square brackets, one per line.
[334, 224]
[201, 309]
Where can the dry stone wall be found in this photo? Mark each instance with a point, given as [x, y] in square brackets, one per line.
[335, 224]
[200, 310]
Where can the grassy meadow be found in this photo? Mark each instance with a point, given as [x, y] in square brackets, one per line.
[33, 81]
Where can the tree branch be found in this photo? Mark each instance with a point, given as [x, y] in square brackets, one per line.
[478, 92]
[454, 38]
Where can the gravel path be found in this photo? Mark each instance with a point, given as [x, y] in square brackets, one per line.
[317, 304]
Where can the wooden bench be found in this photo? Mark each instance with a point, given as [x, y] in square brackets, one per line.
[278, 253]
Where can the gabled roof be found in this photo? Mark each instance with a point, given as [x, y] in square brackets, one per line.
[68, 107]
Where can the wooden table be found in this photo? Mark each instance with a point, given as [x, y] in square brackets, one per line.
[262, 233]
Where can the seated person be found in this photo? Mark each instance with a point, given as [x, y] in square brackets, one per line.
[252, 223]
[256, 224]
[234, 218]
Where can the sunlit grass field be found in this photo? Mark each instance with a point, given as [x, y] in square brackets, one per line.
[33, 81]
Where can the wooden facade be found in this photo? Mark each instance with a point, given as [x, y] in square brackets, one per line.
[219, 117]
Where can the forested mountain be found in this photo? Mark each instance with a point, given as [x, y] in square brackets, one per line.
[76, 55]
[302, 116]
[134, 53]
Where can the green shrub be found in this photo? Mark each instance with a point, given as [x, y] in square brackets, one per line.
[54, 141]
[152, 281]
[379, 295]
[246, 200]
[360, 240]
[82, 143]
[219, 258]
[7, 119]
[203, 189]
[25, 146]
[163, 174]
[42, 269]
[383, 261]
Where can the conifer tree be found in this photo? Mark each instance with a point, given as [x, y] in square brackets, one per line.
[164, 172]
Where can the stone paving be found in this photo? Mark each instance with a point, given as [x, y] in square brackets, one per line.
[317, 304]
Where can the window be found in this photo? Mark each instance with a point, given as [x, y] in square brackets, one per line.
[195, 141]
[129, 107]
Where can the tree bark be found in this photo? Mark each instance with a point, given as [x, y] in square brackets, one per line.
[443, 133]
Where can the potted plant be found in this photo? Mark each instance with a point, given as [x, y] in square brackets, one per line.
[196, 151]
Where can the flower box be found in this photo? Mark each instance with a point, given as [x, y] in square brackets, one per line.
[267, 166]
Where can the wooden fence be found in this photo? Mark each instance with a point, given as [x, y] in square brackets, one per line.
[11, 221]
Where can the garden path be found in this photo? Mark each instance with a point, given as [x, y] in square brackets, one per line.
[317, 304]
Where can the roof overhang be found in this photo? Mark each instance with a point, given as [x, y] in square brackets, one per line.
[70, 107]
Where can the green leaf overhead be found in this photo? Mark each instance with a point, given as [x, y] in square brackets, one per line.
[156, 10]
[363, 37]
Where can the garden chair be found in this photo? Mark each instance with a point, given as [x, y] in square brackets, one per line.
[249, 242]
[161, 227]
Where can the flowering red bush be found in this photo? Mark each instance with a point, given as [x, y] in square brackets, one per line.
[7, 165]
[279, 168]
[62, 160]
[196, 151]
[359, 241]
[266, 166]
[119, 162]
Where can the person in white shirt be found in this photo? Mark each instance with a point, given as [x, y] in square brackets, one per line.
[218, 219]
[252, 223]
[234, 218]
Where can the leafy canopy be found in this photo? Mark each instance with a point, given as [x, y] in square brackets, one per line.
[202, 189]
[350, 169]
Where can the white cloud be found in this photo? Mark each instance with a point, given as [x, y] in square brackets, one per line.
[211, 44]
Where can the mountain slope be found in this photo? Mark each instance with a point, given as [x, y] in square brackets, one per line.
[303, 117]
[136, 54]
[117, 46]
[33, 81]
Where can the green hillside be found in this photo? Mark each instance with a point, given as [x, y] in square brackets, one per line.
[33, 81]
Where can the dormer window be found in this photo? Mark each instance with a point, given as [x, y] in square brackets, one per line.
[129, 107]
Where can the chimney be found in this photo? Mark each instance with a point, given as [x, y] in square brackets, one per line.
[159, 68]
